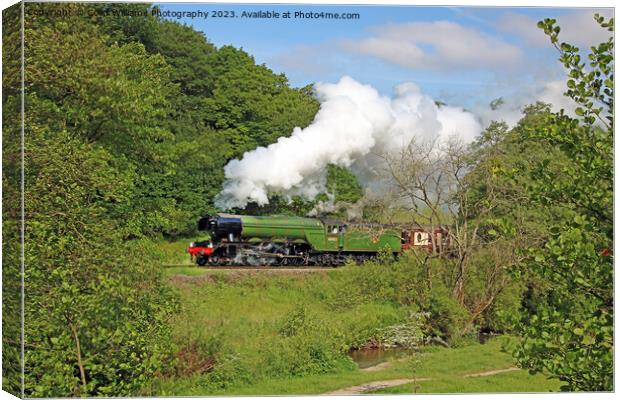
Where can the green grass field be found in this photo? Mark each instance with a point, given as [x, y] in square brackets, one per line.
[446, 370]
[238, 318]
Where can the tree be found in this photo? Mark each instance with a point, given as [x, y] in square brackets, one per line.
[433, 181]
[571, 337]
[11, 201]
[112, 96]
[225, 105]
[502, 160]
[95, 307]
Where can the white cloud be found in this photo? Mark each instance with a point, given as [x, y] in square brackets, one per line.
[578, 28]
[510, 111]
[524, 27]
[433, 45]
[553, 93]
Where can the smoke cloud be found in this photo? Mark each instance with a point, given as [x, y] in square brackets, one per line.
[352, 126]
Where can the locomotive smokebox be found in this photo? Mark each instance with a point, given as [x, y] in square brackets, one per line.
[204, 223]
[221, 226]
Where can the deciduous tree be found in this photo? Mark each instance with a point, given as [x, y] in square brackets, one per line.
[571, 337]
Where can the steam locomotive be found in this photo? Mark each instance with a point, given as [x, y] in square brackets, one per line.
[297, 241]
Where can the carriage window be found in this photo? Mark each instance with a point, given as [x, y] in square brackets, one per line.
[421, 239]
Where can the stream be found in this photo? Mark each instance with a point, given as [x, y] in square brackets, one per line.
[366, 358]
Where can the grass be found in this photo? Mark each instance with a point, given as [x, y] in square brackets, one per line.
[190, 270]
[238, 317]
[447, 368]
[509, 382]
[313, 384]
[236, 303]
[174, 253]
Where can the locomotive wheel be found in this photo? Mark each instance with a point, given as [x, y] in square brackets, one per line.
[326, 261]
[202, 261]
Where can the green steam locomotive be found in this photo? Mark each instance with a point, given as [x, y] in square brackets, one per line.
[295, 241]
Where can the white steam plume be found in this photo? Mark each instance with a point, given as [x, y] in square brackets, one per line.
[353, 123]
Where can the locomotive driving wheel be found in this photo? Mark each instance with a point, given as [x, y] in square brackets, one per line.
[214, 260]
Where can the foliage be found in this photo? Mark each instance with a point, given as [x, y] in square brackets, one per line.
[96, 309]
[258, 316]
[591, 88]
[97, 312]
[408, 335]
[11, 199]
[571, 336]
[402, 282]
[114, 96]
[310, 346]
[260, 110]
[343, 185]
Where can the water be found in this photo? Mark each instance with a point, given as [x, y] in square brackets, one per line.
[484, 337]
[366, 358]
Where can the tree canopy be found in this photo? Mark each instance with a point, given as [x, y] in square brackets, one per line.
[129, 122]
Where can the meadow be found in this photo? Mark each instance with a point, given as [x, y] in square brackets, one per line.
[268, 333]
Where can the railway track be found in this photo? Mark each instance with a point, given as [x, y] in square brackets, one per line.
[252, 268]
[269, 268]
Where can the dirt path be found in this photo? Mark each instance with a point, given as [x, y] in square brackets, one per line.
[376, 385]
[378, 367]
[489, 373]
[367, 387]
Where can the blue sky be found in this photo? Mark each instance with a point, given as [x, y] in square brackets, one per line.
[464, 56]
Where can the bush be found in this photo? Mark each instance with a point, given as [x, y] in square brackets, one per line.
[447, 317]
[507, 309]
[231, 369]
[400, 282]
[408, 335]
[360, 332]
[306, 345]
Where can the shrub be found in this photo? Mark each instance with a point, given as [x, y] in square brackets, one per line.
[231, 369]
[447, 317]
[408, 335]
[306, 345]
